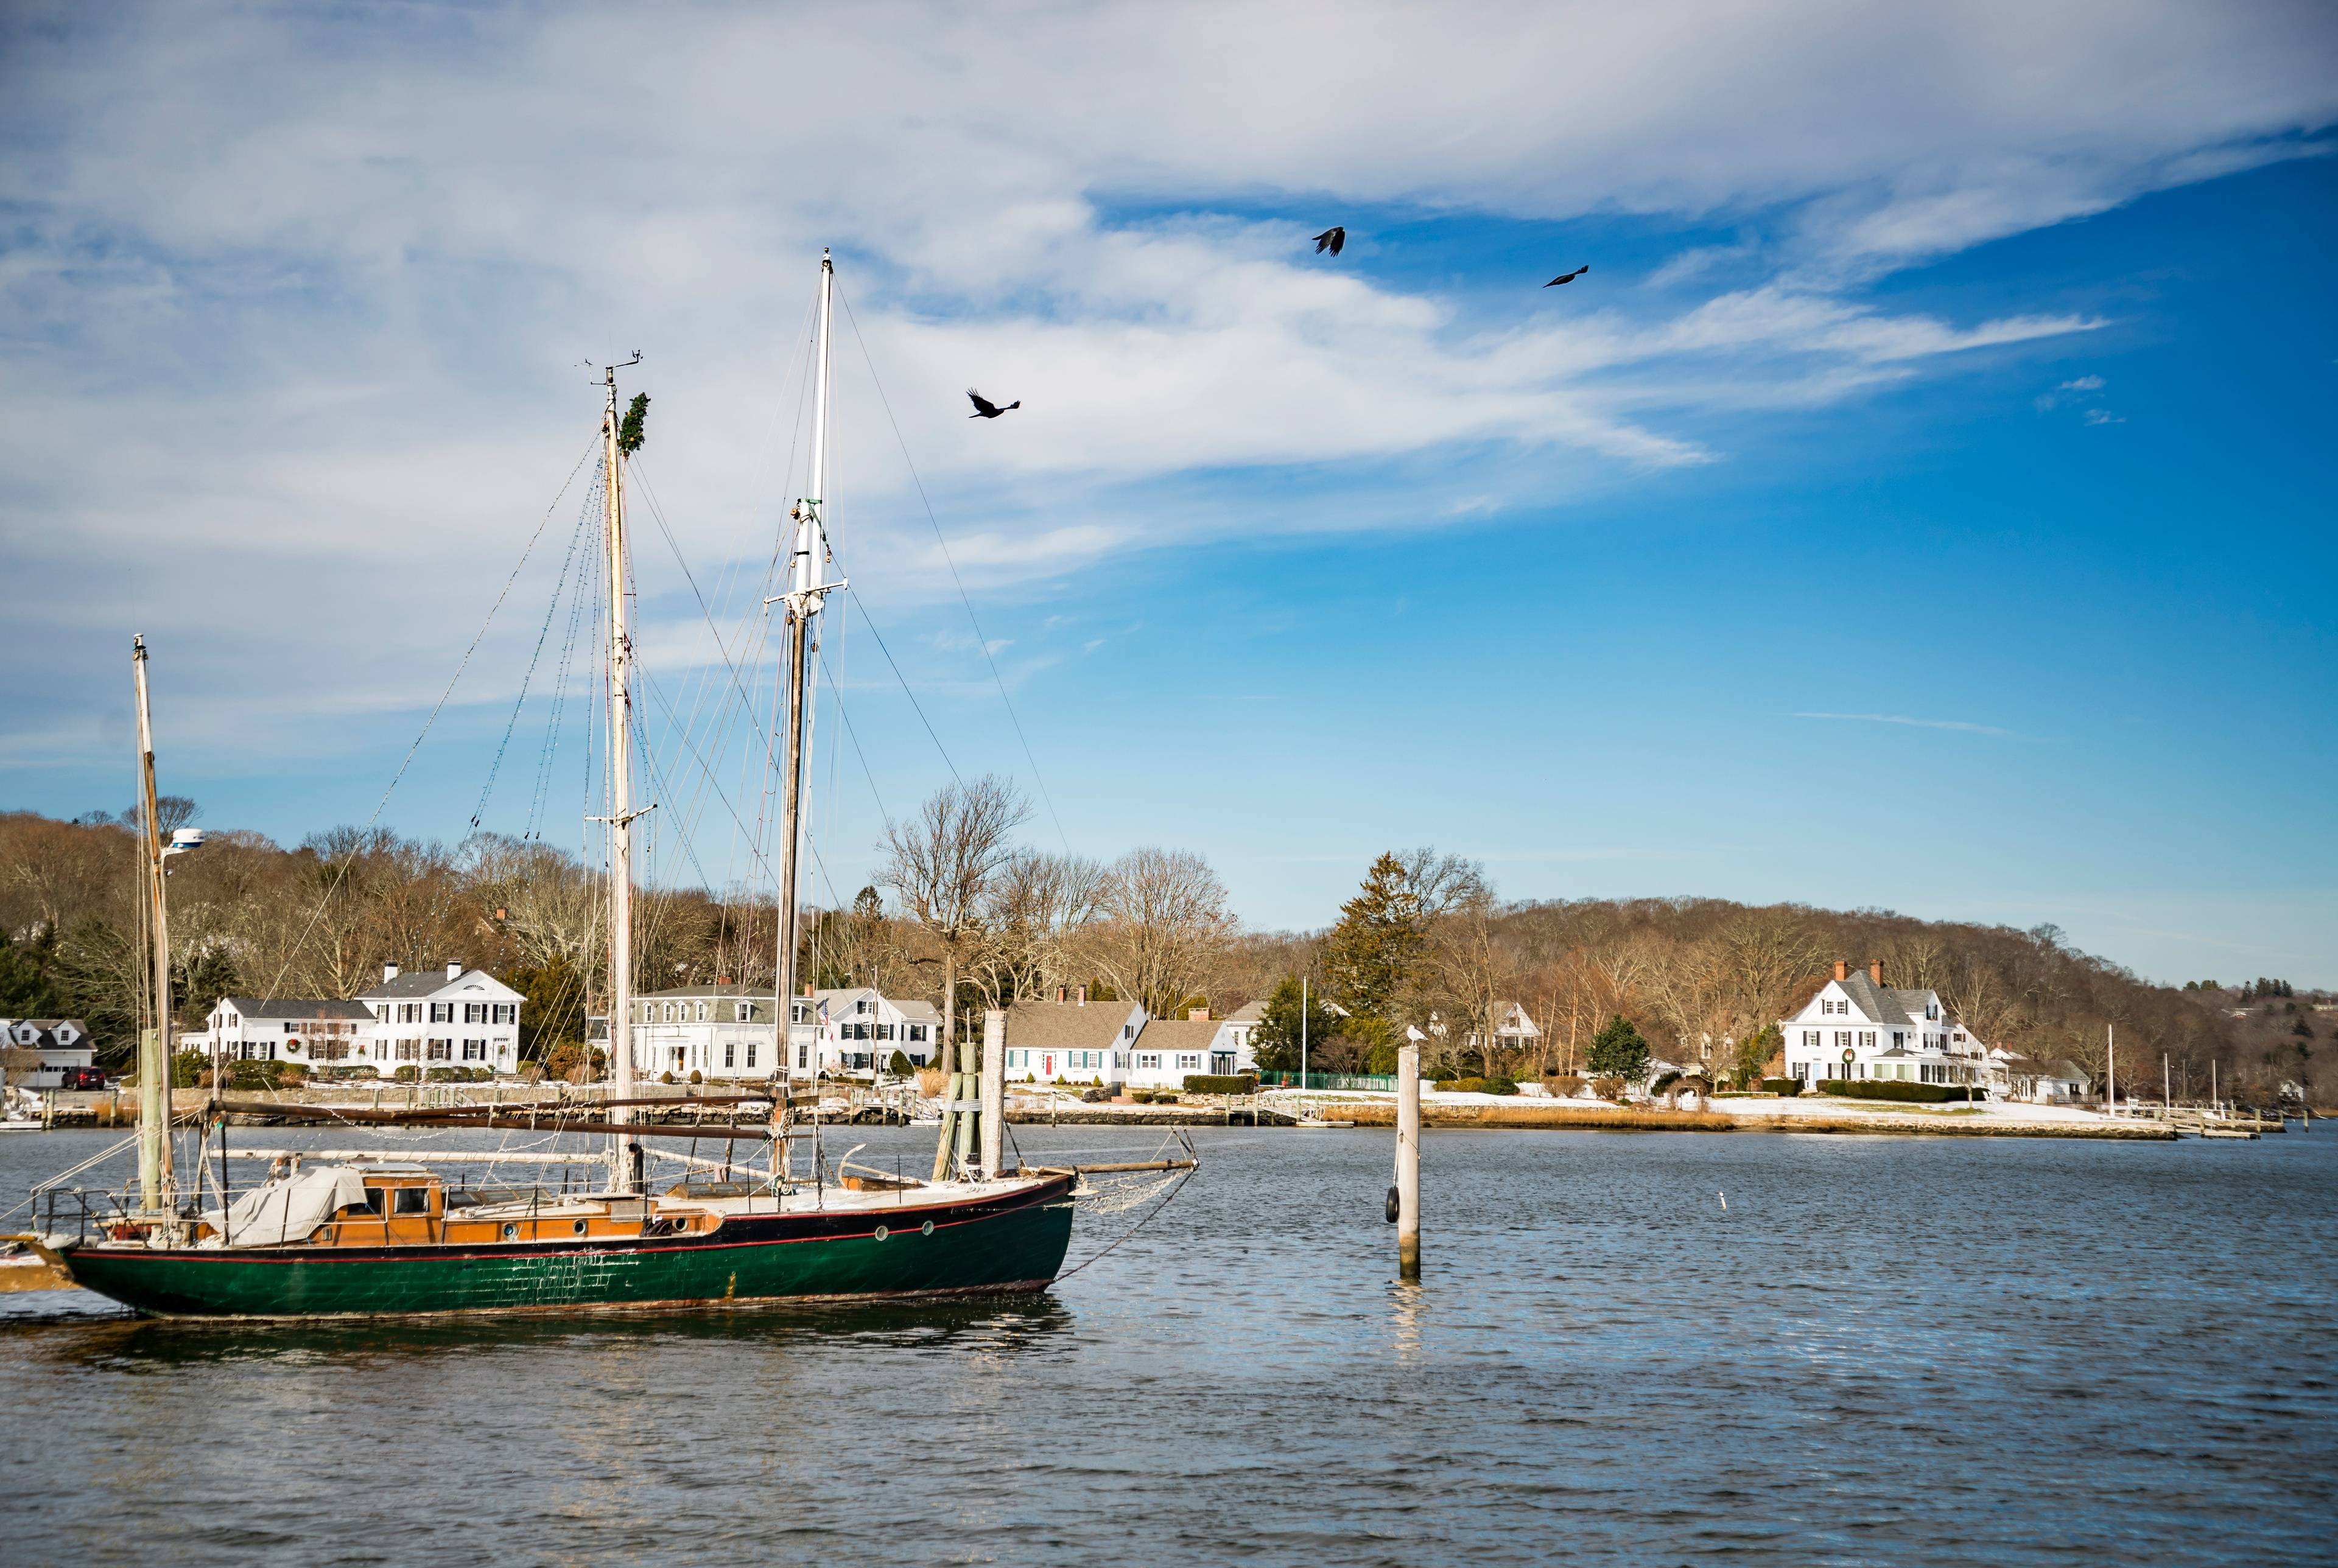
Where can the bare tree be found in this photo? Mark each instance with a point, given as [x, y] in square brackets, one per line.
[940, 864]
[1471, 969]
[1164, 923]
[1038, 906]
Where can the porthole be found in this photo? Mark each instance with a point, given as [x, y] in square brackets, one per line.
[578, 1227]
[511, 1232]
[882, 1233]
[927, 1228]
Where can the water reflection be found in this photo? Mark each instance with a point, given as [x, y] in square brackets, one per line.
[998, 1327]
[1408, 1320]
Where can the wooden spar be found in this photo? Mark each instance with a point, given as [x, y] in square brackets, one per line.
[421, 1157]
[155, 1184]
[1110, 1170]
[552, 1109]
[802, 600]
[499, 1121]
[623, 1162]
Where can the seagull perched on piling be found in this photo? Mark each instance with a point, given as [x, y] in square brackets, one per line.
[983, 408]
[1569, 277]
[1330, 240]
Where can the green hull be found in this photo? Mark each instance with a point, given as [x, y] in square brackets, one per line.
[1017, 1245]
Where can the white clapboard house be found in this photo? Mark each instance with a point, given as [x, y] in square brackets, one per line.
[454, 1017]
[57, 1043]
[1072, 1040]
[285, 1029]
[1857, 1027]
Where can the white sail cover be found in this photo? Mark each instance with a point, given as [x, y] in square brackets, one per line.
[288, 1209]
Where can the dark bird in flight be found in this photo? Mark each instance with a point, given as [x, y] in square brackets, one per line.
[1330, 240]
[1569, 277]
[983, 408]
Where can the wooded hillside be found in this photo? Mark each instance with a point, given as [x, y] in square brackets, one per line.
[1425, 939]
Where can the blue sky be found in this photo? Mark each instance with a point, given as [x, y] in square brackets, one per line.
[1923, 503]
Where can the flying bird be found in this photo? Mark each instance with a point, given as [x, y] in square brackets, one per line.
[983, 408]
[1330, 240]
[1569, 277]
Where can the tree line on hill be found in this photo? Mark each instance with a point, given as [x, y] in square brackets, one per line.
[1705, 982]
[962, 914]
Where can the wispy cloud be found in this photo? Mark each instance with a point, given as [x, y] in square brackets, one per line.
[2083, 384]
[2103, 417]
[1913, 723]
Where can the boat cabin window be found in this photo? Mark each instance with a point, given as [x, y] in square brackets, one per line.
[374, 1201]
[413, 1200]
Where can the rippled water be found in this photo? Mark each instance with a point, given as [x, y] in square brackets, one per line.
[1884, 1350]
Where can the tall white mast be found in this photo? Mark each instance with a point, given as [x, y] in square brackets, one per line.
[624, 1148]
[154, 1185]
[803, 598]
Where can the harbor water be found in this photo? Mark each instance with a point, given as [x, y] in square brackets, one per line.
[1881, 1350]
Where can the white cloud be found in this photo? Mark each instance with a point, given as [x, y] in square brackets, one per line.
[303, 296]
[1917, 723]
[2103, 417]
[2083, 384]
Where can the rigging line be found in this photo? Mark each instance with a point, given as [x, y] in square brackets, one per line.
[688, 848]
[587, 585]
[947, 560]
[738, 684]
[551, 612]
[275, 987]
[699, 677]
[844, 713]
[870, 621]
[1133, 1230]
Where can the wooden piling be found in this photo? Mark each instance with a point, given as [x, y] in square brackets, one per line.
[1407, 1160]
[993, 1090]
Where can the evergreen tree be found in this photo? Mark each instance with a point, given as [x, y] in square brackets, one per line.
[1275, 1040]
[1618, 1051]
[1371, 954]
[27, 990]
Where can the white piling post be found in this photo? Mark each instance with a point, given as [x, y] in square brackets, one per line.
[1407, 1156]
[994, 1091]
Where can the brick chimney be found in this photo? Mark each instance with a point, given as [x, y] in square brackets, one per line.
[388, 973]
[1062, 992]
[1197, 1016]
[1084, 995]
[1875, 971]
[454, 968]
[806, 988]
[1843, 969]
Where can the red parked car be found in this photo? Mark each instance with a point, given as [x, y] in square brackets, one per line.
[82, 1078]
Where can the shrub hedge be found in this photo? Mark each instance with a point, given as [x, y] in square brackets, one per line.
[1220, 1083]
[1789, 1087]
[1905, 1093]
[1496, 1084]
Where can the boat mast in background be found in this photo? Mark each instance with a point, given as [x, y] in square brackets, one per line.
[154, 1185]
[803, 599]
[624, 1148]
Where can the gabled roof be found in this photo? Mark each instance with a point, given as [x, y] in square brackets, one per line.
[1879, 1003]
[1067, 1025]
[1178, 1034]
[45, 1032]
[296, 1008]
[1248, 1012]
[422, 982]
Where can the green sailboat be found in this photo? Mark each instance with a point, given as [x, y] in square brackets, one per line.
[380, 1234]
